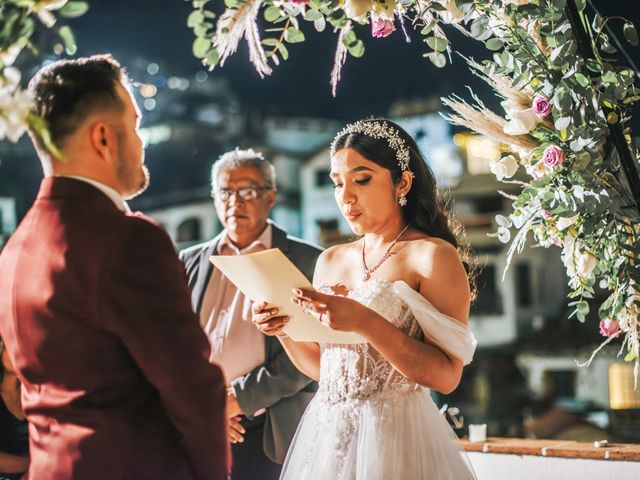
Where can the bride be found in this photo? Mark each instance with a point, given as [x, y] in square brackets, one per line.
[404, 288]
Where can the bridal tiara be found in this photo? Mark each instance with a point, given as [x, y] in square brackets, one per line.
[380, 130]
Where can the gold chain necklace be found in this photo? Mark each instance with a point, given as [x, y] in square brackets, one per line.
[366, 271]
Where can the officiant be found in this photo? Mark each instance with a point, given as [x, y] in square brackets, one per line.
[267, 395]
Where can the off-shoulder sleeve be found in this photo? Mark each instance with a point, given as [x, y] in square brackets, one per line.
[445, 331]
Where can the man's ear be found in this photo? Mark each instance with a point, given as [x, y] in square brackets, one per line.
[103, 140]
[271, 198]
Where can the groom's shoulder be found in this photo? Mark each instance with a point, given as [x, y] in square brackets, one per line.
[138, 228]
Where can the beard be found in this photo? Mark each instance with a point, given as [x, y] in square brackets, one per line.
[134, 178]
[141, 185]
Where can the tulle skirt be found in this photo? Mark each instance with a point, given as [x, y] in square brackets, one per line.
[393, 436]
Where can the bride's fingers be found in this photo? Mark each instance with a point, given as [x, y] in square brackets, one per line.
[262, 307]
[266, 319]
[311, 306]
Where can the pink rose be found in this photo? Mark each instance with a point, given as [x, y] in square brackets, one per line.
[609, 327]
[381, 27]
[541, 106]
[553, 156]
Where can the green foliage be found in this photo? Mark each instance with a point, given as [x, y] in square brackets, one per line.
[580, 204]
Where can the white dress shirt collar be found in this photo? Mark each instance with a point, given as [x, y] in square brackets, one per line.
[114, 196]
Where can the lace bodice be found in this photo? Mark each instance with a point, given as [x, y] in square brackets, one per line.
[355, 372]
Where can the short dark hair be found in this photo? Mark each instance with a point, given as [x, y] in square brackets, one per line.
[66, 92]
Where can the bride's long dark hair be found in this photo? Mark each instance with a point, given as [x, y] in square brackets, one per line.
[427, 209]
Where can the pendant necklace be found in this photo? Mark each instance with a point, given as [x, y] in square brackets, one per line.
[366, 271]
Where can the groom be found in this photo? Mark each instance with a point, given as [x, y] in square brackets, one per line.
[94, 305]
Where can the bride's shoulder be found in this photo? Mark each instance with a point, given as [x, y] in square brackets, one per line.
[422, 244]
[337, 252]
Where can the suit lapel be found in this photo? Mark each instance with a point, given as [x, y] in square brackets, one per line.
[205, 270]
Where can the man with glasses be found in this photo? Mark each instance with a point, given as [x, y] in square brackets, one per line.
[267, 394]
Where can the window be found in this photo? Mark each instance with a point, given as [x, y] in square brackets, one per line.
[322, 178]
[489, 301]
[524, 288]
[189, 230]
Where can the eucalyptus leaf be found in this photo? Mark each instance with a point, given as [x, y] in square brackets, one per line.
[200, 47]
[74, 9]
[195, 18]
[630, 33]
[356, 49]
[68, 39]
[293, 35]
[271, 14]
[437, 44]
[212, 57]
[437, 58]
[283, 51]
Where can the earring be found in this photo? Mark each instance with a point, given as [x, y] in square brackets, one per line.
[402, 200]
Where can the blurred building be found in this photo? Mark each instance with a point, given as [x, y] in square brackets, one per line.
[189, 215]
[8, 219]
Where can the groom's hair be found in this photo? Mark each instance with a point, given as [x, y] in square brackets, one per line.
[67, 92]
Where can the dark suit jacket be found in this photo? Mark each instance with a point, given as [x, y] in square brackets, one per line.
[277, 385]
[96, 317]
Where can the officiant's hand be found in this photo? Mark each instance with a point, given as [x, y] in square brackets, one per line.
[335, 311]
[235, 430]
[268, 320]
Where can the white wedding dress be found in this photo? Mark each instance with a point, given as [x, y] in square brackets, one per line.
[368, 421]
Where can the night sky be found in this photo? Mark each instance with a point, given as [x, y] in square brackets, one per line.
[391, 68]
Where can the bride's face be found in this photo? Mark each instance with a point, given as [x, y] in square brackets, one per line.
[364, 192]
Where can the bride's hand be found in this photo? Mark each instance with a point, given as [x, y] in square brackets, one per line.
[335, 311]
[265, 317]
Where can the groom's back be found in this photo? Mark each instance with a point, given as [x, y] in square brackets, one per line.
[63, 309]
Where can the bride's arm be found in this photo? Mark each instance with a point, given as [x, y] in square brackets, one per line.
[445, 284]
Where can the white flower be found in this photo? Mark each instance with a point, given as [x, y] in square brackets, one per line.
[565, 222]
[585, 265]
[11, 78]
[521, 122]
[8, 56]
[44, 8]
[452, 14]
[15, 106]
[506, 167]
[517, 2]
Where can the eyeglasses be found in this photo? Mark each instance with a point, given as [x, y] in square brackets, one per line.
[245, 193]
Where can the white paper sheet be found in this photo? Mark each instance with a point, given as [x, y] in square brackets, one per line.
[270, 276]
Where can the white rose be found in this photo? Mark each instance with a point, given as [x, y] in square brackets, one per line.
[517, 2]
[14, 110]
[506, 167]
[585, 265]
[565, 222]
[521, 122]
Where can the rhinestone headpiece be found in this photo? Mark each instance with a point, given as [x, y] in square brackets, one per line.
[380, 130]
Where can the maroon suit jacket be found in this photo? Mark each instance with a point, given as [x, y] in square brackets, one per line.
[96, 315]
